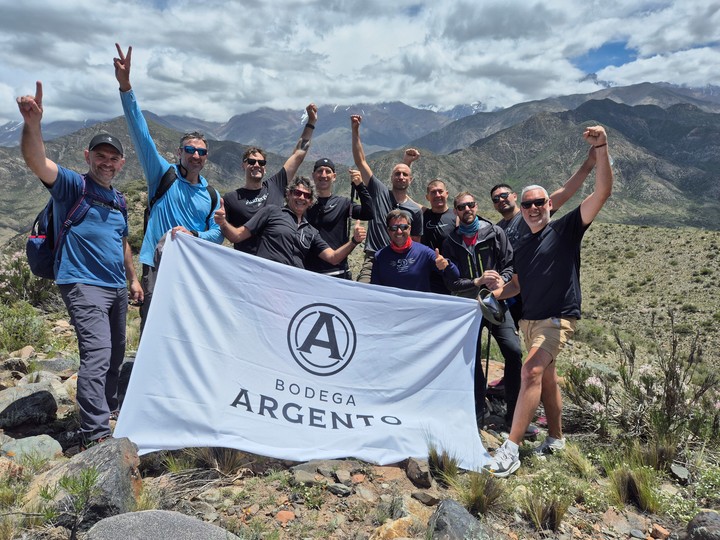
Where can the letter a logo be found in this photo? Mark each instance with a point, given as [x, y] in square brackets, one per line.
[321, 339]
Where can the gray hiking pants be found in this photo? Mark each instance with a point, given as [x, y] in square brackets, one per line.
[98, 314]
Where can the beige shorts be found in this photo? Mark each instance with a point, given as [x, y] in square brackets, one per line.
[550, 335]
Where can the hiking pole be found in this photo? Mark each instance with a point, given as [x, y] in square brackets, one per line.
[494, 314]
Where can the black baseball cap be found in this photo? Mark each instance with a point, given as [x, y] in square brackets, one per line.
[324, 162]
[106, 138]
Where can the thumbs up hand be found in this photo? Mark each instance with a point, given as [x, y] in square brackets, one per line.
[359, 233]
[440, 261]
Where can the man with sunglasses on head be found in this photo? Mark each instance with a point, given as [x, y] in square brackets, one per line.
[384, 199]
[332, 215]
[242, 203]
[547, 275]
[406, 264]
[504, 200]
[186, 207]
[484, 258]
[284, 235]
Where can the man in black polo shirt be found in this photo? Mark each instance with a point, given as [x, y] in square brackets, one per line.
[242, 203]
[284, 235]
[331, 215]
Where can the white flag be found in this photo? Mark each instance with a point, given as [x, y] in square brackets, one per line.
[245, 353]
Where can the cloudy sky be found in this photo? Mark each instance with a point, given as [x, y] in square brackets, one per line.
[212, 59]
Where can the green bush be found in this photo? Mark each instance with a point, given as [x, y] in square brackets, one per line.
[18, 283]
[21, 325]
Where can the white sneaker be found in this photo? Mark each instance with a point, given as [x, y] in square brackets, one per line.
[505, 461]
[550, 445]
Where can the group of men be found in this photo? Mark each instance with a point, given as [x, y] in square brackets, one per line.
[526, 258]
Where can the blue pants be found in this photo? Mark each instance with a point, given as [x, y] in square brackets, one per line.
[98, 314]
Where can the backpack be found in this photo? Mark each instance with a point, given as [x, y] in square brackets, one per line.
[42, 248]
[165, 182]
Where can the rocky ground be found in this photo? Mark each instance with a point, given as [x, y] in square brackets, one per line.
[231, 494]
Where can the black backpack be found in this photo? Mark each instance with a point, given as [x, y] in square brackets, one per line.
[165, 182]
[42, 248]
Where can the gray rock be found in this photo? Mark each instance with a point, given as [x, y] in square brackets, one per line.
[156, 524]
[341, 490]
[39, 377]
[39, 447]
[116, 490]
[59, 365]
[418, 472]
[32, 403]
[637, 533]
[426, 498]
[344, 477]
[14, 364]
[704, 526]
[307, 479]
[681, 474]
[452, 522]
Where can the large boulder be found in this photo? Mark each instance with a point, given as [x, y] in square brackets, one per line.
[452, 522]
[115, 491]
[35, 403]
[704, 526]
[155, 524]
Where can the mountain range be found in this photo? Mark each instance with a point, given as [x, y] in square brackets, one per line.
[663, 138]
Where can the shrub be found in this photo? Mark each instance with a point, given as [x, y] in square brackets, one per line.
[548, 497]
[480, 493]
[17, 282]
[21, 325]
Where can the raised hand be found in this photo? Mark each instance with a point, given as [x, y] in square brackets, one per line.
[355, 120]
[312, 111]
[440, 261]
[595, 135]
[122, 68]
[355, 177]
[411, 155]
[31, 106]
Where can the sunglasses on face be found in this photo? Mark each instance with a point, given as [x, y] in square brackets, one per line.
[302, 194]
[251, 161]
[401, 227]
[462, 206]
[496, 199]
[537, 203]
[191, 150]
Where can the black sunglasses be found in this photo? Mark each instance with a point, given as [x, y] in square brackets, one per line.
[251, 161]
[461, 206]
[496, 199]
[401, 227]
[191, 150]
[537, 203]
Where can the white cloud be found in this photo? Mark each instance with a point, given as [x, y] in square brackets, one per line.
[219, 58]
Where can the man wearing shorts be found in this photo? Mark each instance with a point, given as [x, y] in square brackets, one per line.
[547, 275]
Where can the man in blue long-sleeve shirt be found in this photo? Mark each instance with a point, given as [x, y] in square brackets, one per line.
[186, 206]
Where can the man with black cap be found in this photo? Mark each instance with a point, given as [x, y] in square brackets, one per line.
[331, 215]
[95, 262]
[244, 202]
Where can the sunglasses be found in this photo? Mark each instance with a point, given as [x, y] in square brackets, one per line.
[251, 161]
[462, 206]
[303, 194]
[496, 199]
[191, 150]
[401, 227]
[537, 203]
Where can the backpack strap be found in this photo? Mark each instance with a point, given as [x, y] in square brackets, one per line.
[213, 202]
[166, 181]
[74, 215]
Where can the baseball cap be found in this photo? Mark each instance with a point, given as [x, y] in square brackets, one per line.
[324, 162]
[106, 138]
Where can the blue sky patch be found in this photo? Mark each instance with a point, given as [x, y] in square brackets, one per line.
[614, 53]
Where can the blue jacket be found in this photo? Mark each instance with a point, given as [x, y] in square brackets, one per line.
[183, 204]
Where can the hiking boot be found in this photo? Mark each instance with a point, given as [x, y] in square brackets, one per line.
[114, 415]
[505, 461]
[550, 445]
[89, 444]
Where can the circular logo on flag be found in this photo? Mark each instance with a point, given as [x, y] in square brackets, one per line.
[321, 339]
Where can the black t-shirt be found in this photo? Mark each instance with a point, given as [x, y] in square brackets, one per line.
[330, 216]
[383, 202]
[243, 203]
[548, 266]
[281, 239]
[436, 228]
